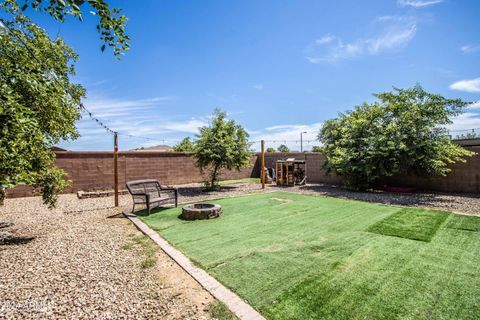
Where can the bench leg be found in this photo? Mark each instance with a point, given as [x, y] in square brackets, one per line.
[148, 208]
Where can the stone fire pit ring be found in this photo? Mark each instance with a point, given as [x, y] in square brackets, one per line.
[201, 211]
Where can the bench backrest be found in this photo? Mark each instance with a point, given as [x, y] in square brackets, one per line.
[149, 186]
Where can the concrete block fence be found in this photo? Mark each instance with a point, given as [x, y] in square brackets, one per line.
[91, 171]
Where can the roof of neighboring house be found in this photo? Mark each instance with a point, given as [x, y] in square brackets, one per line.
[55, 148]
[468, 142]
[160, 147]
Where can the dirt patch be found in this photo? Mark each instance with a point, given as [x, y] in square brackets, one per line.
[282, 200]
[177, 283]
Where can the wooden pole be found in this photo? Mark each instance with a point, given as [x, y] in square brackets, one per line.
[262, 178]
[115, 166]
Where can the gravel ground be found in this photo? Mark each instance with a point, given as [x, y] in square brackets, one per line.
[83, 265]
[78, 261]
[459, 203]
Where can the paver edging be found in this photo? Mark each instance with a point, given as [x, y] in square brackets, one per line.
[236, 304]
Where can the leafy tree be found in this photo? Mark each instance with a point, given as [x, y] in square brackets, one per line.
[39, 107]
[270, 149]
[283, 148]
[399, 134]
[221, 145]
[111, 25]
[186, 145]
[316, 149]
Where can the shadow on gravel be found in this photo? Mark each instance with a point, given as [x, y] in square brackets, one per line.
[194, 191]
[389, 197]
[13, 240]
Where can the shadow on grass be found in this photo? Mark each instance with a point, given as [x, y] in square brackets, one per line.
[144, 213]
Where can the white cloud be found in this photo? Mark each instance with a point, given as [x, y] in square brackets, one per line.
[288, 134]
[470, 48]
[418, 3]
[392, 32]
[472, 85]
[475, 105]
[188, 126]
[150, 121]
[258, 86]
[325, 39]
[465, 121]
[106, 104]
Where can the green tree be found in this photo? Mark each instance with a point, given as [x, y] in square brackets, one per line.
[402, 133]
[316, 149]
[186, 145]
[221, 145]
[283, 148]
[39, 107]
[111, 25]
[270, 149]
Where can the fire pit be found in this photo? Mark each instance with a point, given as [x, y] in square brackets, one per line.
[200, 211]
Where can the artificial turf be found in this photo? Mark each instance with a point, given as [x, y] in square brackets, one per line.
[317, 257]
[409, 223]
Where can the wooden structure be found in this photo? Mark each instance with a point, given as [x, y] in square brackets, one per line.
[291, 172]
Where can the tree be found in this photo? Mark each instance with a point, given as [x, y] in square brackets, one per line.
[186, 145]
[402, 133]
[270, 149]
[316, 149]
[221, 145]
[111, 24]
[39, 107]
[283, 148]
[39, 104]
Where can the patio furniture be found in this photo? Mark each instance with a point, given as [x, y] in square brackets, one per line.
[151, 193]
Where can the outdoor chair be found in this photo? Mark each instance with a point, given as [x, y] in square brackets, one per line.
[151, 193]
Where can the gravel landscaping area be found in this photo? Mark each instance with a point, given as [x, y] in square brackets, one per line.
[88, 264]
[460, 203]
[83, 260]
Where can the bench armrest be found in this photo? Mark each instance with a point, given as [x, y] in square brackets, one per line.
[141, 195]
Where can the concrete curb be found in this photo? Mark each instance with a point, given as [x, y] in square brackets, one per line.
[236, 305]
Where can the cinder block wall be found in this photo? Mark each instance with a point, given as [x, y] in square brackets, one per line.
[464, 177]
[94, 170]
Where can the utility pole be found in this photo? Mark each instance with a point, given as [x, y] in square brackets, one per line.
[115, 166]
[301, 140]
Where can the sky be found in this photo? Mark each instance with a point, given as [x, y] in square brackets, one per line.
[278, 68]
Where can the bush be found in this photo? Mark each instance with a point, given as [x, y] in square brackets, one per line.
[402, 133]
[283, 148]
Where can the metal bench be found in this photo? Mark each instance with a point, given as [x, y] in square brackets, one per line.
[151, 193]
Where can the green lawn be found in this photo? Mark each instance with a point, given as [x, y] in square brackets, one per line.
[239, 181]
[328, 258]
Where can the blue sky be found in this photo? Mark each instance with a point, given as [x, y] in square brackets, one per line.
[277, 67]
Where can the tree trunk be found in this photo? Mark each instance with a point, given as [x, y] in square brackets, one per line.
[214, 176]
